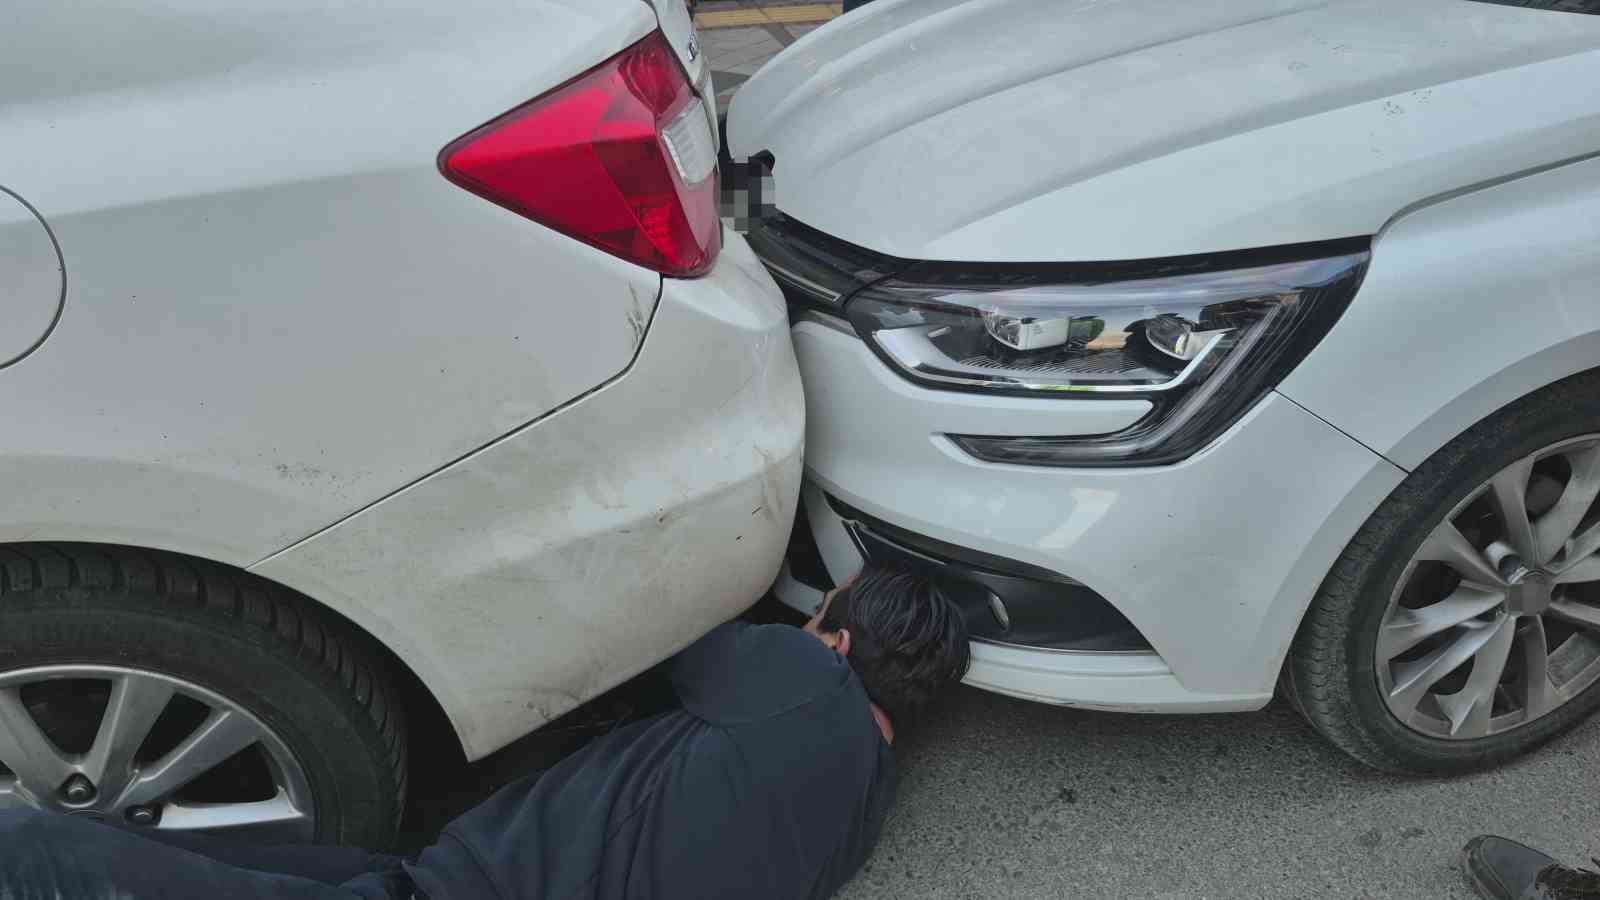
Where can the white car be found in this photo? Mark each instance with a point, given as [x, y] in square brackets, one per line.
[361, 362]
[1203, 348]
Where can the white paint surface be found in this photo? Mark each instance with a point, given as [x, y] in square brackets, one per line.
[1037, 130]
[1470, 304]
[580, 551]
[277, 303]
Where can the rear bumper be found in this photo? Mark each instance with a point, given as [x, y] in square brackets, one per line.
[1212, 560]
[582, 549]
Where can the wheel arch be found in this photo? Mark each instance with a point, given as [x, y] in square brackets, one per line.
[1573, 358]
[1323, 552]
[423, 707]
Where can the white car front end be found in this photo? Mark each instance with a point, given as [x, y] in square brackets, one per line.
[1211, 560]
[1122, 537]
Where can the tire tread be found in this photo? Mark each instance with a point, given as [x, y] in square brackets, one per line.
[270, 611]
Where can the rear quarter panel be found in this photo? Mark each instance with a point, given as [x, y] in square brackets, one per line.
[278, 311]
[1471, 303]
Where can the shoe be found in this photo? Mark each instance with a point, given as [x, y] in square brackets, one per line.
[1506, 870]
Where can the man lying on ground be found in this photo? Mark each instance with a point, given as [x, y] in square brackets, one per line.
[771, 781]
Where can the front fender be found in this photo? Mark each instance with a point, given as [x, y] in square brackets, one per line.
[1470, 303]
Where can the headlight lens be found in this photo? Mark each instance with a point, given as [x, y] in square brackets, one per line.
[1202, 347]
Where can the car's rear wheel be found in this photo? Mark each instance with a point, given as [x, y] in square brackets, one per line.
[1461, 626]
[164, 692]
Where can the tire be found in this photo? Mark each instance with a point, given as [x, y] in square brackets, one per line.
[1332, 673]
[230, 645]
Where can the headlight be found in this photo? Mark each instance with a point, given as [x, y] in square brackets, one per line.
[1202, 347]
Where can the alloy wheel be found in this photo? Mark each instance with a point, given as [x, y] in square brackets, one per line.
[1496, 620]
[148, 750]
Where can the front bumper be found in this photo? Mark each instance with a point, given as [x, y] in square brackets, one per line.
[1212, 560]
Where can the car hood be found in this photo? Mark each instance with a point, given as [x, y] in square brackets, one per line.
[1025, 130]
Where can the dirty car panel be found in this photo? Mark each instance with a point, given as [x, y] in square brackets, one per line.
[584, 548]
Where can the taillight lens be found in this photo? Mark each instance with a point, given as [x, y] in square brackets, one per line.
[621, 157]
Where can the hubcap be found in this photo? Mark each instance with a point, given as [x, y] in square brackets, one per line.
[127, 745]
[1496, 620]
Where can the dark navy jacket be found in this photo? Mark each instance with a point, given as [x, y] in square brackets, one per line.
[772, 781]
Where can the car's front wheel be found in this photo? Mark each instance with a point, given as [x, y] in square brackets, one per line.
[162, 692]
[1461, 626]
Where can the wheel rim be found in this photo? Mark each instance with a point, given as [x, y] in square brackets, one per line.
[156, 752]
[1496, 620]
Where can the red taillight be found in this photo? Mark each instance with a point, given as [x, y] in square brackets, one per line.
[616, 158]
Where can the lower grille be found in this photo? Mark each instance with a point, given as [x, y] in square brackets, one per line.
[1005, 601]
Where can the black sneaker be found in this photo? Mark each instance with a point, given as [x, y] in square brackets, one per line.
[1506, 870]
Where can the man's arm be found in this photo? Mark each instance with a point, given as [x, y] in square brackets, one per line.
[740, 673]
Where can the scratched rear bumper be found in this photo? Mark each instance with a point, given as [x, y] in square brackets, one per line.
[579, 551]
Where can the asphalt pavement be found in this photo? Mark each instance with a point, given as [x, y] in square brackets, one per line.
[1003, 798]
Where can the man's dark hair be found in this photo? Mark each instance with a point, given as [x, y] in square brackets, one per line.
[908, 641]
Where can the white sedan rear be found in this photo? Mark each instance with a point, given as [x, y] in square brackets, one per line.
[356, 360]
